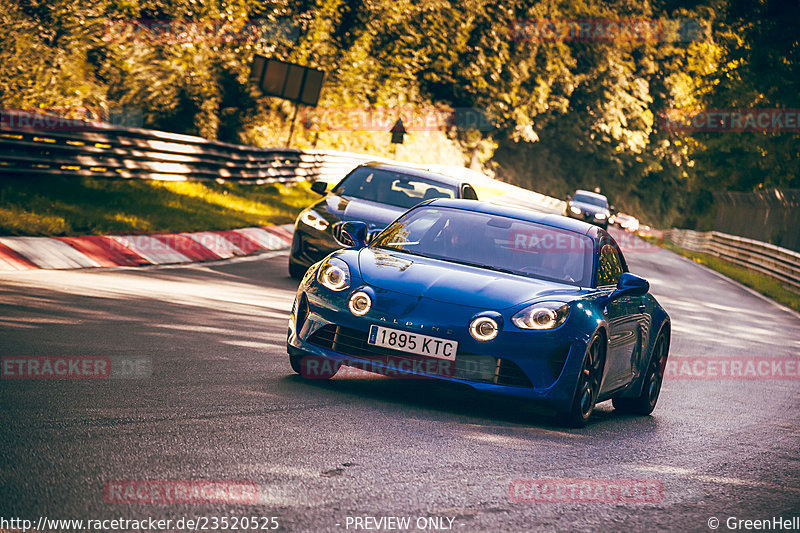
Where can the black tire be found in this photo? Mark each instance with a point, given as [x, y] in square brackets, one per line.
[646, 401]
[296, 271]
[588, 384]
[294, 362]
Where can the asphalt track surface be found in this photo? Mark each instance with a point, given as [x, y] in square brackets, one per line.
[221, 403]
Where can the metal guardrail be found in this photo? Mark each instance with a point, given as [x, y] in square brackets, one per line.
[50, 146]
[774, 261]
[36, 145]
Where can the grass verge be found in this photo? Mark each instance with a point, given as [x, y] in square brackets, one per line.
[767, 286]
[80, 206]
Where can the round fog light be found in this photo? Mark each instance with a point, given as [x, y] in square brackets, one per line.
[483, 328]
[360, 302]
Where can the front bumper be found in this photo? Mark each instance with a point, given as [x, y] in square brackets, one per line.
[537, 365]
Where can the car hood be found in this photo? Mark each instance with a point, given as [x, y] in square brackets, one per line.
[589, 208]
[375, 215]
[448, 282]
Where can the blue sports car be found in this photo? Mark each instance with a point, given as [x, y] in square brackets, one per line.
[505, 300]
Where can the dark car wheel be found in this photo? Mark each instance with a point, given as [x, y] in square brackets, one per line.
[646, 401]
[588, 384]
[295, 362]
[296, 270]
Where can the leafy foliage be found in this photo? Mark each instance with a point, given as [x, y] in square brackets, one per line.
[565, 113]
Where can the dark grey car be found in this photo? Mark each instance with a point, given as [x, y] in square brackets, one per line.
[375, 193]
[590, 207]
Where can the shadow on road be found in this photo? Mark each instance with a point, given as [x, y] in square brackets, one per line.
[422, 397]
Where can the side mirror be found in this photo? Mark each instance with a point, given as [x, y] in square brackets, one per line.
[319, 187]
[352, 234]
[371, 234]
[612, 208]
[569, 197]
[630, 285]
[468, 193]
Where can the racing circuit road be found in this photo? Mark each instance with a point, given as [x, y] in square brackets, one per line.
[222, 404]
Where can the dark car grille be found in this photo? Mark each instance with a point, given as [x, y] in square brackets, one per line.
[471, 367]
[302, 311]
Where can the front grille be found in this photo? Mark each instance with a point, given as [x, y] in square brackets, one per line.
[509, 374]
[470, 367]
[302, 312]
[557, 360]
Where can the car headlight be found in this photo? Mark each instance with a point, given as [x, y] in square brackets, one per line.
[600, 216]
[484, 328]
[334, 274]
[360, 303]
[575, 210]
[309, 217]
[543, 315]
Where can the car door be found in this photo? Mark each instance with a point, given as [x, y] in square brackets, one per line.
[639, 309]
[623, 330]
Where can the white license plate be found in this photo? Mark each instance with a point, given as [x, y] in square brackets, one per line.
[412, 343]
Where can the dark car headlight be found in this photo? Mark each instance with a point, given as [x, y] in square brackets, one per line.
[334, 274]
[600, 216]
[309, 217]
[542, 315]
[575, 210]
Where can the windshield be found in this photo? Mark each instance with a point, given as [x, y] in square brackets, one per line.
[492, 242]
[392, 188]
[591, 200]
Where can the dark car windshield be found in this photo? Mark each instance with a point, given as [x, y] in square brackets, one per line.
[591, 200]
[392, 188]
[493, 242]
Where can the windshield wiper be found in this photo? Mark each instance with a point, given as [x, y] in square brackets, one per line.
[451, 260]
[401, 251]
[478, 265]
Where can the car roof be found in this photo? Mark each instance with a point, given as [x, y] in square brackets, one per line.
[415, 171]
[528, 215]
[590, 193]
